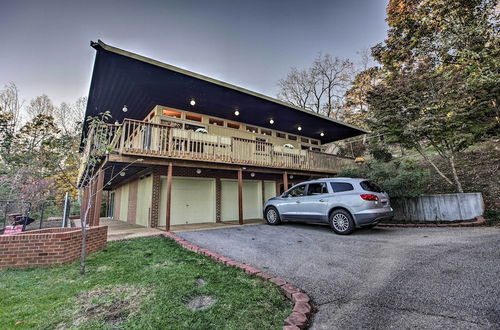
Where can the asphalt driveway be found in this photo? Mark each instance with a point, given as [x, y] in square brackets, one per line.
[398, 278]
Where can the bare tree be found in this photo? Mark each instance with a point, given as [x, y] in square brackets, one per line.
[69, 116]
[10, 103]
[321, 87]
[41, 105]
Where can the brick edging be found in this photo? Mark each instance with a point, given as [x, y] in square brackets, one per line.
[478, 222]
[302, 309]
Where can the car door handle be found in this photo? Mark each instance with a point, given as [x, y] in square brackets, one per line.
[321, 200]
[298, 202]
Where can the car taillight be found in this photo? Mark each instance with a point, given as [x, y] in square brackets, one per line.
[369, 197]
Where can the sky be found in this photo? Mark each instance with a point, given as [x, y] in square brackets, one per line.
[45, 45]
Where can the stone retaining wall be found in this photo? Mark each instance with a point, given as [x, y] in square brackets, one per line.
[48, 246]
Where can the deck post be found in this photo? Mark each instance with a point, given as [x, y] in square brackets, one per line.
[169, 196]
[285, 181]
[98, 198]
[240, 196]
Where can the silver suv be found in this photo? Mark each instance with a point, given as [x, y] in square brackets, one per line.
[344, 203]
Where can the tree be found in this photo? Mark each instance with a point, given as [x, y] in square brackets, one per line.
[10, 107]
[41, 105]
[441, 87]
[69, 116]
[320, 88]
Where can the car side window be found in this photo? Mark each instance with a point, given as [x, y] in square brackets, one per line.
[317, 189]
[341, 186]
[297, 191]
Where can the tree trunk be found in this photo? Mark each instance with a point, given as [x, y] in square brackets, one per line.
[455, 175]
[84, 248]
[422, 153]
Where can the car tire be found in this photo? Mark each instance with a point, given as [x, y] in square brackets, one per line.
[272, 216]
[341, 222]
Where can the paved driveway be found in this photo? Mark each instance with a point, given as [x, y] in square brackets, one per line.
[398, 278]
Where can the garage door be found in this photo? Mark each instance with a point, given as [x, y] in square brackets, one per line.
[269, 189]
[252, 199]
[123, 203]
[144, 190]
[193, 201]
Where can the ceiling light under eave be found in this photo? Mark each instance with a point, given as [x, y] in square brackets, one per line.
[236, 112]
[192, 102]
[271, 121]
[299, 128]
[322, 134]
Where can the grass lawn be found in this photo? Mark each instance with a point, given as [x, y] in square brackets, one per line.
[139, 283]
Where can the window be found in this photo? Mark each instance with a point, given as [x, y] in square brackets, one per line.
[217, 122]
[252, 129]
[192, 117]
[317, 189]
[281, 135]
[233, 125]
[292, 137]
[305, 140]
[315, 142]
[190, 127]
[371, 186]
[172, 113]
[304, 147]
[297, 191]
[260, 139]
[341, 186]
[266, 131]
[170, 123]
[315, 149]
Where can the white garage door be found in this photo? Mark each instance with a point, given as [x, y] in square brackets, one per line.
[252, 199]
[144, 190]
[193, 201]
[269, 189]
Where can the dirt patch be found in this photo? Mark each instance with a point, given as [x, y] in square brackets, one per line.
[200, 302]
[200, 282]
[111, 305]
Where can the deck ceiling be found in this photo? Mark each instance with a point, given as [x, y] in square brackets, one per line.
[122, 78]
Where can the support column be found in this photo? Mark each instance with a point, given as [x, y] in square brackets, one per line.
[285, 181]
[98, 198]
[155, 198]
[169, 196]
[240, 196]
[218, 200]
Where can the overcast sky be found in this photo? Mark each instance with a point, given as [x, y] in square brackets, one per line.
[44, 45]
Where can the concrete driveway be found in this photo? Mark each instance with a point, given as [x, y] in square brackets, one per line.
[398, 278]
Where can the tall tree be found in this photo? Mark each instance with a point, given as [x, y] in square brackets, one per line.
[321, 87]
[441, 89]
[41, 105]
[10, 108]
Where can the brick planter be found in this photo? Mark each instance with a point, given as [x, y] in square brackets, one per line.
[48, 246]
[302, 309]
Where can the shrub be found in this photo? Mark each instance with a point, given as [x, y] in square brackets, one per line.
[400, 179]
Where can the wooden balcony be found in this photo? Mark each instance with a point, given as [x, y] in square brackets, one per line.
[140, 138]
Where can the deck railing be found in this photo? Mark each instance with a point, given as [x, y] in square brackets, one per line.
[158, 140]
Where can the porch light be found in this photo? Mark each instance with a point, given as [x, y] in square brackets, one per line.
[299, 128]
[192, 102]
[198, 171]
[252, 174]
[122, 173]
[124, 109]
[117, 123]
[291, 176]
[271, 121]
[236, 112]
[322, 134]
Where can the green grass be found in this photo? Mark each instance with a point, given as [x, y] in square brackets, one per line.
[139, 283]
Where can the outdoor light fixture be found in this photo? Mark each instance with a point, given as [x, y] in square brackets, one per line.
[252, 174]
[291, 176]
[322, 134]
[117, 123]
[122, 173]
[236, 112]
[271, 121]
[198, 171]
[192, 102]
[124, 109]
[299, 128]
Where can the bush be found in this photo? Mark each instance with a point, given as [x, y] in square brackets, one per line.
[492, 217]
[399, 179]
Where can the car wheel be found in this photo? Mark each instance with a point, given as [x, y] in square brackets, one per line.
[272, 216]
[341, 222]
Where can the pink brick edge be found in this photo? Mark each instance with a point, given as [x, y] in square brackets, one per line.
[478, 222]
[302, 309]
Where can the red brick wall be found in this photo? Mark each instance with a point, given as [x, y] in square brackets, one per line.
[48, 246]
[132, 201]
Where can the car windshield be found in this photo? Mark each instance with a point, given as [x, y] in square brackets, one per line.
[371, 186]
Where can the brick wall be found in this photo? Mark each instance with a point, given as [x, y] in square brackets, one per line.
[155, 197]
[48, 246]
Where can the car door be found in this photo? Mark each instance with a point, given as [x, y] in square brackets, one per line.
[291, 206]
[314, 204]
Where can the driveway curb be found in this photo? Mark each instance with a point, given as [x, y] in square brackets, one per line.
[302, 309]
[478, 222]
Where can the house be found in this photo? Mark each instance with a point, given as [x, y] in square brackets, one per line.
[188, 149]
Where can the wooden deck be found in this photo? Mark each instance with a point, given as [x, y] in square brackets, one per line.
[138, 138]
